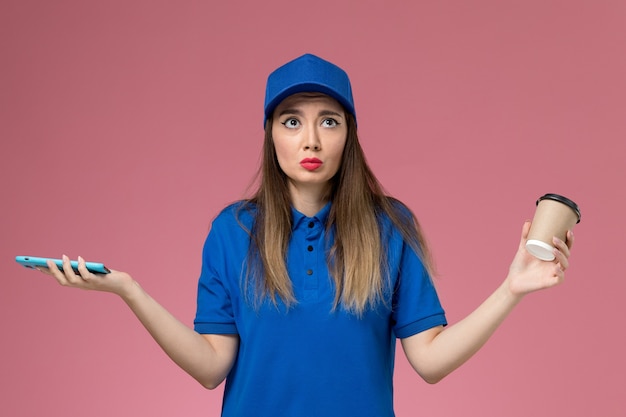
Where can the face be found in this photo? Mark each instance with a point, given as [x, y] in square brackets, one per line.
[309, 132]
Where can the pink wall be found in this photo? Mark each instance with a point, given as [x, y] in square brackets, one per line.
[126, 125]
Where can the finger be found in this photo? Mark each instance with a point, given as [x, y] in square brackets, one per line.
[44, 270]
[69, 273]
[559, 276]
[561, 246]
[82, 269]
[561, 258]
[57, 273]
[525, 230]
[570, 239]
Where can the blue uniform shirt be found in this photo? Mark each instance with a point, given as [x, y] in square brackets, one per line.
[309, 360]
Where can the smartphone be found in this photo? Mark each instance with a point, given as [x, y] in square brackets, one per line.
[33, 262]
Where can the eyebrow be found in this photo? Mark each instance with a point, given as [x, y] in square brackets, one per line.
[297, 112]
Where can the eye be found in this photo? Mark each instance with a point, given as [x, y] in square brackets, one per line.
[291, 123]
[330, 122]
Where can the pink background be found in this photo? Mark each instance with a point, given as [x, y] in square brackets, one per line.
[127, 125]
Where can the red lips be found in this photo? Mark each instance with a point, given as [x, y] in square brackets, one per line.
[311, 164]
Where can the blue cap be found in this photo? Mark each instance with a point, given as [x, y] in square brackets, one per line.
[312, 74]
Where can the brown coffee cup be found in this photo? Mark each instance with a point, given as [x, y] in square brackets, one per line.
[555, 215]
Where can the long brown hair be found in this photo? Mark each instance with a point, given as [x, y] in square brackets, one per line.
[357, 258]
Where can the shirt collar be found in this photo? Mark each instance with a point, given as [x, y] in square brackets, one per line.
[321, 215]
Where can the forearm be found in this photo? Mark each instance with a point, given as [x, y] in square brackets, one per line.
[207, 358]
[444, 351]
[436, 352]
[188, 349]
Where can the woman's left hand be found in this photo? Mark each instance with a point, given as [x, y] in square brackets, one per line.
[528, 274]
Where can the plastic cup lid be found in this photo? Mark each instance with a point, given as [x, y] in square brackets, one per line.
[564, 200]
[540, 250]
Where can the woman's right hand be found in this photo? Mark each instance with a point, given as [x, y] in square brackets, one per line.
[115, 282]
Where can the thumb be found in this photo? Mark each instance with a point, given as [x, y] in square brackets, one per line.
[525, 230]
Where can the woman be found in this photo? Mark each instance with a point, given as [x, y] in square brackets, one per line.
[306, 286]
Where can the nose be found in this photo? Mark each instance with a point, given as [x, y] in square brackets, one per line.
[312, 139]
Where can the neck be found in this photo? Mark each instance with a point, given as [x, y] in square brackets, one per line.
[308, 200]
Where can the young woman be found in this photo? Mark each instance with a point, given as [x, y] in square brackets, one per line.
[306, 286]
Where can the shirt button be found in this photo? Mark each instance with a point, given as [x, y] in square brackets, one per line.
[311, 224]
[309, 272]
[309, 248]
